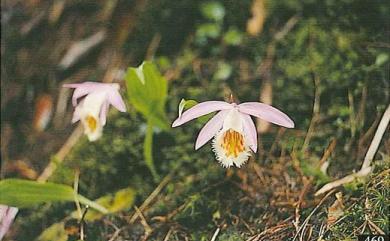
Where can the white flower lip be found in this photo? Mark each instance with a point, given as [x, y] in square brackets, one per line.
[230, 144]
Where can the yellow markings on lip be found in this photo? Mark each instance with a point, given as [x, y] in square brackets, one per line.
[232, 143]
[91, 122]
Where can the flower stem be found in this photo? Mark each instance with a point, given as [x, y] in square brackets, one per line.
[148, 150]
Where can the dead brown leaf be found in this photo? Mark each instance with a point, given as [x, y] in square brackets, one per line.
[336, 210]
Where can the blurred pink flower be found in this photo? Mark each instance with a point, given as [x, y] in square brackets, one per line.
[233, 128]
[92, 110]
[7, 215]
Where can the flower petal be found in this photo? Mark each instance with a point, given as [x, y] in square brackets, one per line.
[79, 92]
[115, 99]
[7, 215]
[87, 84]
[210, 129]
[77, 113]
[250, 131]
[103, 113]
[266, 112]
[82, 89]
[201, 109]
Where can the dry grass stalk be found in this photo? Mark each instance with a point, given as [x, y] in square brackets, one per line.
[151, 197]
[366, 167]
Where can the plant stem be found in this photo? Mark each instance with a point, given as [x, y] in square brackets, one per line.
[148, 150]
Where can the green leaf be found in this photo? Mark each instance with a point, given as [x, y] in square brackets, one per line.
[147, 91]
[213, 10]
[55, 232]
[118, 201]
[186, 104]
[24, 193]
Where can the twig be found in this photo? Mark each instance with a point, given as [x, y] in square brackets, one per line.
[60, 155]
[360, 117]
[148, 229]
[259, 173]
[56, 10]
[116, 234]
[34, 22]
[322, 231]
[117, 230]
[168, 234]
[342, 181]
[153, 46]
[311, 214]
[151, 197]
[276, 142]
[272, 230]
[377, 139]
[266, 66]
[324, 164]
[171, 214]
[328, 151]
[352, 115]
[79, 49]
[366, 168]
[375, 227]
[369, 133]
[62, 103]
[316, 113]
[286, 28]
[306, 186]
[82, 223]
[215, 234]
[247, 226]
[107, 10]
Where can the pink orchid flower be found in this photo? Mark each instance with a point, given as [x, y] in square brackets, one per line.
[92, 110]
[7, 215]
[232, 128]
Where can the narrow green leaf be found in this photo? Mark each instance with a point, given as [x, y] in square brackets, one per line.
[92, 204]
[24, 193]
